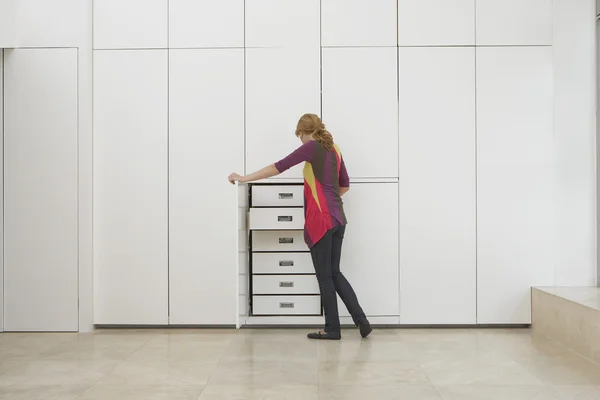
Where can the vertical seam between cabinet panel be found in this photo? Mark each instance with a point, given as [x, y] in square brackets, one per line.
[321, 58]
[92, 169]
[476, 174]
[168, 164]
[399, 301]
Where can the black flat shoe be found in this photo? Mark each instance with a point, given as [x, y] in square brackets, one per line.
[324, 336]
[365, 328]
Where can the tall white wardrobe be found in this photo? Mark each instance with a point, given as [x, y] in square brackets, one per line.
[443, 115]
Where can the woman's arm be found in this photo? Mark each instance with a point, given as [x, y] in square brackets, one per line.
[264, 173]
[303, 153]
[344, 190]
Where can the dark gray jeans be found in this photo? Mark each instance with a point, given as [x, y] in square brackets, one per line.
[326, 254]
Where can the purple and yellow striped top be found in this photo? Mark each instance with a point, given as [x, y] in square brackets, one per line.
[324, 174]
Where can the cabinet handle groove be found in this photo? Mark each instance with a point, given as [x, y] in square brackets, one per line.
[286, 263]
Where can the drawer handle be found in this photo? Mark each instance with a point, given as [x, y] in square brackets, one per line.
[285, 218]
[286, 263]
[286, 196]
[286, 305]
[286, 284]
[286, 240]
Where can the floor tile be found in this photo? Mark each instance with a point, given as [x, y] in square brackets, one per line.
[31, 392]
[372, 374]
[378, 393]
[479, 370]
[160, 372]
[265, 373]
[498, 393]
[59, 372]
[30, 345]
[579, 392]
[261, 392]
[564, 370]
[133, 392]
[181, 351]
[276, 351]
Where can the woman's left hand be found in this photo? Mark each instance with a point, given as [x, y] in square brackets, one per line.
[233, 178]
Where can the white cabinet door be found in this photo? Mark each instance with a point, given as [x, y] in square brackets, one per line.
[358, 22]
[281, 85]
[130, 187]
[370, 248]
[40, 190]
[206, 23]
[8, 23]
[277, 23]
[515, 170]
[437, 185]
[206, 143]
[436, 22]
[130, 24]
[514, 22]
[360, 108]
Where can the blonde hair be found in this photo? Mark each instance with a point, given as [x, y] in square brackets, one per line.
[311, 124]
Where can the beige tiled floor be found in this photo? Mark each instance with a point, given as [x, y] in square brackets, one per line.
[283, 365]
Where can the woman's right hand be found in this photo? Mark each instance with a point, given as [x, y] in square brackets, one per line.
[233, 178]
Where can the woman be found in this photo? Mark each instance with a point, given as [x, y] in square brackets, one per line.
[325, 181]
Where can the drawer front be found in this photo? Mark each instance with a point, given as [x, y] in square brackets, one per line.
[278, 241]
[278, 196]
[276, 218]
[286, 305]
[285, 284]
[282, 263]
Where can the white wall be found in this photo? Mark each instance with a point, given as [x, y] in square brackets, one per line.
[40, 184]
[60, 24]
[574, 60]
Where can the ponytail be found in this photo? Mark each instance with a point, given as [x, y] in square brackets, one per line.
[311, 124]
[323, 136]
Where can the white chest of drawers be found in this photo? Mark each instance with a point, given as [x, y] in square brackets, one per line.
[283, 281]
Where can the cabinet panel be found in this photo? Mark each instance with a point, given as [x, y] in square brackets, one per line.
[436, 22]
[131, 24]
[358, 22]
[281, 85]
[276, 23]
[40, 190]
[437, 186]
[130, 187]
[8, 24]
[206, 113]
[514, 22]
[370, 248]
[515, 168]
[360, 105]
[199, 24]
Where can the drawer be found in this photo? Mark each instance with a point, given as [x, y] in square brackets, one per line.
[276, 218]
[278, 196]
[285, 284]
[278, 241]
[282, 263]
[286, 305]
